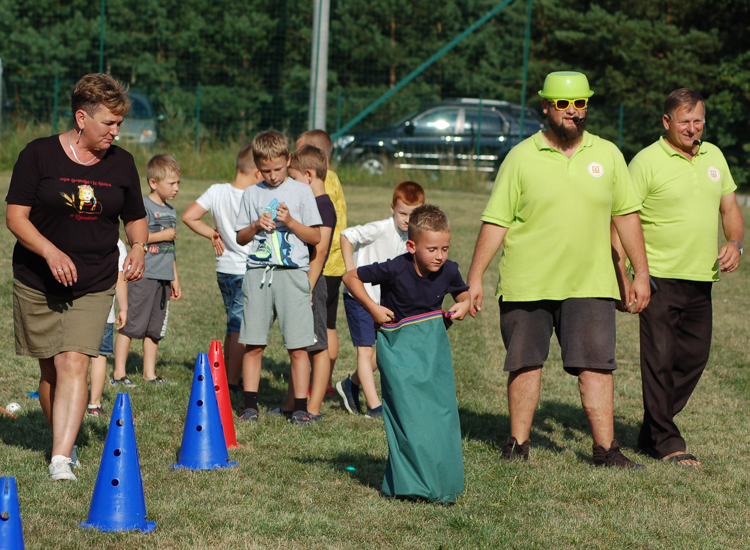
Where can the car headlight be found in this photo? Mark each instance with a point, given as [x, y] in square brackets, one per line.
[344, 141]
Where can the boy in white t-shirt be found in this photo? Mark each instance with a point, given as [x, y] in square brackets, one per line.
[223, 201]
[98, 371]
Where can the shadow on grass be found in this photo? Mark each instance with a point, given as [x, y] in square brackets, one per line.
[31, 431]
[367, 469]
[550, 417]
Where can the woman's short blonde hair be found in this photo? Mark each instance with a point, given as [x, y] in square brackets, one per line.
[97, 89]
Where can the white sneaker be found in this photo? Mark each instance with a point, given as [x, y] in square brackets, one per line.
[74, 462]
[59, 469]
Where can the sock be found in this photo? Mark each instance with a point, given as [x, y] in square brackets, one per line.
[376, 409]
[251, 400]
[354, 387]
[92, 407]
[300, 404]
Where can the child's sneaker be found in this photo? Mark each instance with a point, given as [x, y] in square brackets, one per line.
[330, 391]
[377, 412]
[351, 399]
[95, 410]
[249, 415]
[158, 381]
[59, 469]
[278, 411]
[124, 381]
[302, 418]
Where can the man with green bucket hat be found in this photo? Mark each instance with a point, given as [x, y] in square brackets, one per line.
[683, 183]
[556, 198]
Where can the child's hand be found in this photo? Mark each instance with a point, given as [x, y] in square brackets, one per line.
[266, 223]
[122, 318]
[460, 310]
[169, 234]
[381, 314]
[283, 215]
[175, 290]
[218, 243]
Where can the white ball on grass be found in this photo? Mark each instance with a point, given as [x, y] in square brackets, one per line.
[12, 407]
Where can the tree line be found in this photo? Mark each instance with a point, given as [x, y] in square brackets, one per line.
[252, 59]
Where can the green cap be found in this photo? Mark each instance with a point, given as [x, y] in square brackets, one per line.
[565, 85]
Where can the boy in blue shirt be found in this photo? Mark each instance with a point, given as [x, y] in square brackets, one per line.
[279, 217]
[419, 397]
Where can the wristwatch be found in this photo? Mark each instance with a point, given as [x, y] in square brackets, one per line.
[738, 244]
[145, 248]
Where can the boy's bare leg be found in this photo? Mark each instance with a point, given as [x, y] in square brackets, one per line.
[150, 351]
[333, 351]
[97, 375]
[122, 348]
[300, 364]
[251, 362]
[364, 376]
[524, 388]
[234, 352]
[321, 376]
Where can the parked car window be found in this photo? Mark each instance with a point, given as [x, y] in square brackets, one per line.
[437, 122]
[492, 122]
[139, 108]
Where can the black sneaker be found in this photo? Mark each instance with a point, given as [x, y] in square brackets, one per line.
[513, 450]
[613, 457]
[377, 412]
[351, 399]
[124, 381]
[249, 415]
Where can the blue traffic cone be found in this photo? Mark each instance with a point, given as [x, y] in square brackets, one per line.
[11, 533]
[203, 444]
[118, 503]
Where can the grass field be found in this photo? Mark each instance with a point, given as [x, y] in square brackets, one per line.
[293, 488]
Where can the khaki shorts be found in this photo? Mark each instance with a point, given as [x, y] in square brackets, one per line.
[46, 326]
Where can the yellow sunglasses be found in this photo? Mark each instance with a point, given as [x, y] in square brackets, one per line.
[563, 104]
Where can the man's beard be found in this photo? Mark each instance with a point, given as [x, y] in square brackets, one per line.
[565, 133]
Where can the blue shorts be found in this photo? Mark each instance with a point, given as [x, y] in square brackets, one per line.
[108, 342]
[231, 292]
[361, 325]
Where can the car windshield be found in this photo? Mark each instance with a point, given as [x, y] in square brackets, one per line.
[140, 108]
[439, 121]
[492, 122]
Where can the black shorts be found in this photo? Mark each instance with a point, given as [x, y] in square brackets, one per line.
[319, 316]
[585, 329]
[332, 300]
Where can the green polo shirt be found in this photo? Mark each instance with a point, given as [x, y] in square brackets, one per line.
[558, 211]
[680, 214]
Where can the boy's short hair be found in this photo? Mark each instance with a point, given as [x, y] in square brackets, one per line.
[270, 144]
[320, 139]
[309, 157]
[245, 161]
[161, 166]
[427, 218]
[408, 192]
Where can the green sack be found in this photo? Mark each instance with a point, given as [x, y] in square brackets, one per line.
[420, 411]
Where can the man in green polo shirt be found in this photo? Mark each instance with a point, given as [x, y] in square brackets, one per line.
[555, 198]
[684, 183]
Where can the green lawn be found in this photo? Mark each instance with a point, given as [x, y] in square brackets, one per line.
[293, 488]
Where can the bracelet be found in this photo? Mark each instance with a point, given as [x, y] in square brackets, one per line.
[738, 244]
[145, 248]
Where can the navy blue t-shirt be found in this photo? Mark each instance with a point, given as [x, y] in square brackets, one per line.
[407, 294]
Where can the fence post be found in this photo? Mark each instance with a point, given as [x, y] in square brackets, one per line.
[479, 134]
[101, 42]
[54, 108]
[619, 132]
[198, 117]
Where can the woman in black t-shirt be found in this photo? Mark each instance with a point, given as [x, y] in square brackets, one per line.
[67, 196]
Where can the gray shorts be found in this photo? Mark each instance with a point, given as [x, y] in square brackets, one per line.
[148, 309]
[272, 293]
[585, 329]
[320, 315]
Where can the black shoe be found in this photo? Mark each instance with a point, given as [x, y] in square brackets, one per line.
[613, 457]
[513, 450]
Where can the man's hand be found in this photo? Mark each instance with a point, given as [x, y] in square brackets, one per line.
[729, 257]
[639, 294]
[622, 303]
[218, 243]
[476, 294]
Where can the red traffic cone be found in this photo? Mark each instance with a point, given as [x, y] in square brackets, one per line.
[219, 375]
